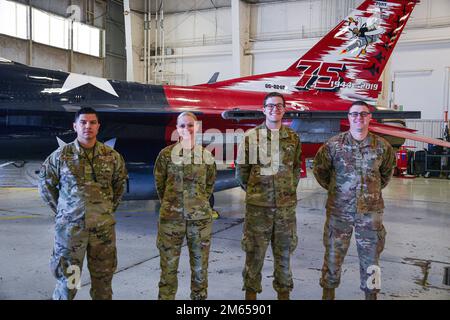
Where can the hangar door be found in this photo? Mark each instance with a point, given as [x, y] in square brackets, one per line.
[416, 91]
[422, 90]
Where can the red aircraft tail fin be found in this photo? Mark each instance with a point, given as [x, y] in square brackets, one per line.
[347, 62]
[359, 46]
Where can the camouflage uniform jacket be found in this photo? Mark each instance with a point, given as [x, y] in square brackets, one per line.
[67, 184]
[185, 182]
[354, 172]
[266, 187]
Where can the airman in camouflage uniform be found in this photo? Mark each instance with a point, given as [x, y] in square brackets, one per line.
[271, 198]
[353, 171]
[184, 181]
[83, 187]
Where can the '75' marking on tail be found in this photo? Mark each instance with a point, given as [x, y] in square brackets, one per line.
[318, 74]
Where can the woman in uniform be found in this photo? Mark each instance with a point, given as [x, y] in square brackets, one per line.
[184, 174]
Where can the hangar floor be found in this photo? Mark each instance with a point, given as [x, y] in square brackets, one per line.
[417, 219]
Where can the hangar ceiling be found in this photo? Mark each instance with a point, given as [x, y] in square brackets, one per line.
[176, 6]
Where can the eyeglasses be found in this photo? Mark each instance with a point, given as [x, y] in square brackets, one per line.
[363, 114]
[271, 106]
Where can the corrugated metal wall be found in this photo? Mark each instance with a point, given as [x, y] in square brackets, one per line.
[429, 128]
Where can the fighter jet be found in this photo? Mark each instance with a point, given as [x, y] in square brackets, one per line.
[37, 105]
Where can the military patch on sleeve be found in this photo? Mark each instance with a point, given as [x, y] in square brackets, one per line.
[42, 172]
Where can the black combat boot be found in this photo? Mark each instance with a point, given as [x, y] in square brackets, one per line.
[328, 294]
[250, 295]
[283, 295]
[371, 295]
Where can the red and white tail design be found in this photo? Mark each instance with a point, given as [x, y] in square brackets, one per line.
[347, 62]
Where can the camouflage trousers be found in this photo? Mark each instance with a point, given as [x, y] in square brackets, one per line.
[264, 225]
[72, 243]
[370, 238]
[171, 234]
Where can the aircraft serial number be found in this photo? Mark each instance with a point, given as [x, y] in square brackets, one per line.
[363, 85]
[275, 86]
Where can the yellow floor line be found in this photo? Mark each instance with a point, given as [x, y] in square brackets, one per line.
[18, 188]
[17, 217]
[8, 189]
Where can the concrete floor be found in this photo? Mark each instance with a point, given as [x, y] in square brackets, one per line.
[417, 219]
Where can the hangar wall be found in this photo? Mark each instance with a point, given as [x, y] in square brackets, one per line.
[280, 32]
[49, 57]
[59, 7]
[115, 59]
[98, 13]
[418, 72]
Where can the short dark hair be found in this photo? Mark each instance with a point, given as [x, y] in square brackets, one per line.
[360, 103]
[86, 110]
[274, 94]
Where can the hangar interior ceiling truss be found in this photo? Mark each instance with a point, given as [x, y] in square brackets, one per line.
[176, 6]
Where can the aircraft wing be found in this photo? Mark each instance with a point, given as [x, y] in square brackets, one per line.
[240, 114]
[402, 133]
[375, 127]
[253, 113]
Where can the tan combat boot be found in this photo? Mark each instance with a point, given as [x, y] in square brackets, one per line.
[328, 294]
[250, 295]
[283, 296]
[371, 295]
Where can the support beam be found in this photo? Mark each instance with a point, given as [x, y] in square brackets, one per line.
[128, 40]
[240, 30]
[30, 35]
[146, 45]
[446, 92]
[383, 98]
[70, 61]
